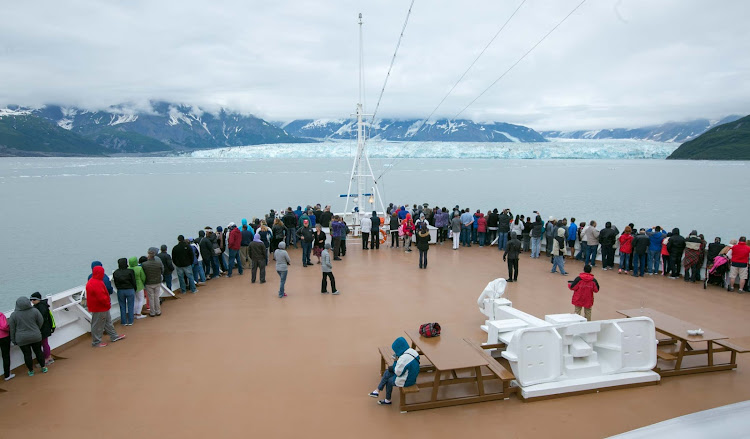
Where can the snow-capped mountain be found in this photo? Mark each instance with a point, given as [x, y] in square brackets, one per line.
[677, 132]
[165, 126]
[440, 130]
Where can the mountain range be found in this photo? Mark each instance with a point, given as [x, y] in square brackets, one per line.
[677, 132]
[165, 128]
[440, 130]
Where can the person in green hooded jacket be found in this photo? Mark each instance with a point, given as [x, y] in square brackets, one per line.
[140, 281]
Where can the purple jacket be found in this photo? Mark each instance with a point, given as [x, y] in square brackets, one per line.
[337, 229]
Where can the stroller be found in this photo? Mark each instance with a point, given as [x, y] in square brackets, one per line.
[716, 272]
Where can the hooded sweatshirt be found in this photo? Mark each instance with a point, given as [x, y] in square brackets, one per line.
[282, 257]
[375, 223]
[153, 270]
[26, 322]
[106, 278]
[43, 307]
[406, 367]
[96, 293]
[513, 249]
[584, 287]
[124, 277]
[4, 329]
[257, 249]
[676, 243]
[558, 244]
[140, 275]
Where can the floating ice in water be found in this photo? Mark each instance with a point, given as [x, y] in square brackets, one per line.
[564, 149]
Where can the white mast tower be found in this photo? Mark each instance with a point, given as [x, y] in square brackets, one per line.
[361, 168]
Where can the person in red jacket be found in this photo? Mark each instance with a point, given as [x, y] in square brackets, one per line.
[626, 249]
[740, 252]
[481, 228]
[584, 286]
[234, 244]
[97, 299]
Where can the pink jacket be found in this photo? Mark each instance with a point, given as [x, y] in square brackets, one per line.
[4, 329]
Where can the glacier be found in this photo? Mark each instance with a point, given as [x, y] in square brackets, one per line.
[555, 149]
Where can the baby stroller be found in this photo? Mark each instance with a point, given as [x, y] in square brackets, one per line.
[716, 272]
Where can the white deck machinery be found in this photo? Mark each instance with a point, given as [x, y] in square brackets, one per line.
[564, 353]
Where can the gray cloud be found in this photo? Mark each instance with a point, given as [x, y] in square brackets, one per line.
[613, 63]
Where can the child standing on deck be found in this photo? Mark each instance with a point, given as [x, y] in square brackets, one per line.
[326, 267]
[584, 287]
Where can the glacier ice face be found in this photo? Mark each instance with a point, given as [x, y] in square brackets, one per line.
[557, 149]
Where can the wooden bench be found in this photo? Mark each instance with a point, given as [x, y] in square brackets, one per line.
[495, 367]
[386, 360]
[665, 355]
[735, 345]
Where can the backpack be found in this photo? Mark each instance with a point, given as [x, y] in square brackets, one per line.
[53, 325]
[429, 330]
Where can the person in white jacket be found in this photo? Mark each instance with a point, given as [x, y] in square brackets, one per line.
[365, 224]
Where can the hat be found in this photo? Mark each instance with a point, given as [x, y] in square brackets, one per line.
[552, 218]
[232, 225]
[154, 250]
[36, 296]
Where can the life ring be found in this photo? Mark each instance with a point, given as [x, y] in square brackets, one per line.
[383, 236]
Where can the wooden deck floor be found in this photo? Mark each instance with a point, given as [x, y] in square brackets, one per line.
[236, 361]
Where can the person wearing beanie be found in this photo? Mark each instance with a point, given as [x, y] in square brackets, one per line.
[25, 326]
[584, 286]
[47, 329]
[124, 279]
[258, 258]
[97, 300]
[282, 266]
[153, 270]
[234, 242]
[166, 260]
[326, 267]
[374, 231]
[423, 243]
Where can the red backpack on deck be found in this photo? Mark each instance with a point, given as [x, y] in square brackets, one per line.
[429, 330]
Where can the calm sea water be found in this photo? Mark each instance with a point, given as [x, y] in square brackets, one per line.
[59, 214]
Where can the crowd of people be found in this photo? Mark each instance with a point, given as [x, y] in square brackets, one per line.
[218, 252]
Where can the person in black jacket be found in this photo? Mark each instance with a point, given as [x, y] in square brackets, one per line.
[182, 257]
[394, 229]
[503, 227]
[124, 279]
[43, 307]
[207, 254]
[290, 222]
[640, 249]
[166, 261]
[675, 247]
[607, 239]
[492, 220]
[423, 243]
[375, 231]
[512, 252]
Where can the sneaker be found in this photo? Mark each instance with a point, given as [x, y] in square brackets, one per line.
[564, 274]
[10, 377]
[384, 402]
[140, 316]
[620, 271]
[118, 338]
[45, 370]
[324, 292]
[374, 394]
[336, 293]
[31, 373]
[509, 280]
[196, 290]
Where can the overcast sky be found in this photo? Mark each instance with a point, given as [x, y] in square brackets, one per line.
[614, 63]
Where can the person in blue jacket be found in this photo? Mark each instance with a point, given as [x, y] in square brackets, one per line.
[656, 235]
[403, 373]
[106, 280]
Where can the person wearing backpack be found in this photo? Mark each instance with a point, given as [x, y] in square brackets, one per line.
[47, 328]
[403, 373]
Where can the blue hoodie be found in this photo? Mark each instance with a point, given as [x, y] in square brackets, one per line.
[107, 283]
[572, 234]
[656, 238]
[298, 212]
[406, 367]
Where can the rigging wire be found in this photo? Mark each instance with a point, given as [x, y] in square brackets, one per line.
[388, 74]
[399, 156]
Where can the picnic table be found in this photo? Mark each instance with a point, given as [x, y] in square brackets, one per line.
[676, 332]
[465, 361]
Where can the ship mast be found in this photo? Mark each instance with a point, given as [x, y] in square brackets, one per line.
[361, 168]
